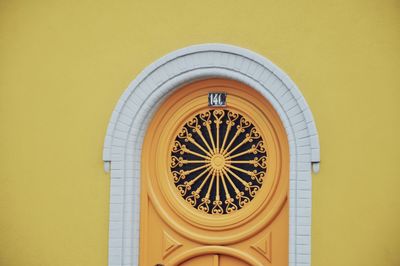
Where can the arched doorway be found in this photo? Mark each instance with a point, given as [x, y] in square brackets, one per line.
[215, 175]
[134, 112]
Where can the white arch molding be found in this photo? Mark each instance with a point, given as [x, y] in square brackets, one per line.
[133, 113]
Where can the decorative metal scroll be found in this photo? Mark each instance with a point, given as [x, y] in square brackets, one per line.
[218, 161]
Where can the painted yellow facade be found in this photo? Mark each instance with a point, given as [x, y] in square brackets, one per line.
[64, 64]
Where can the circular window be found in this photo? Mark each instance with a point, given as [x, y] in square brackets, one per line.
[218, 161]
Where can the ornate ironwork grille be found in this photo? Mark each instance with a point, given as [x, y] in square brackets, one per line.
[218, 161]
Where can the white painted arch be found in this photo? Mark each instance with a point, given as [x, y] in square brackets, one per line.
[131, 116]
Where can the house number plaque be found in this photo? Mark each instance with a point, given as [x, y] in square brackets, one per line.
[216, 99]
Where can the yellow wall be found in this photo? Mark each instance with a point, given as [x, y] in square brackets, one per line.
[64, 64]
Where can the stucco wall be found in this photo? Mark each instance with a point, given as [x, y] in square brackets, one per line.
[64, 64]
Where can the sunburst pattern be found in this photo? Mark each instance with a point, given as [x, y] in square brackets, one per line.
[218, 161]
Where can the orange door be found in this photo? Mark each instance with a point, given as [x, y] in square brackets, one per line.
[214, 180]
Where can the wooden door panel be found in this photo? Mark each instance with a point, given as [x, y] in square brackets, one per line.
[230, 261]
[201, 261]
[215, 177]
[214, 260]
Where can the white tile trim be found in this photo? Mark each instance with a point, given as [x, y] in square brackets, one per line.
[131, 116]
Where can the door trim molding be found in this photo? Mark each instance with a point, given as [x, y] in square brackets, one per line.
[222, 250]
[135, 108]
